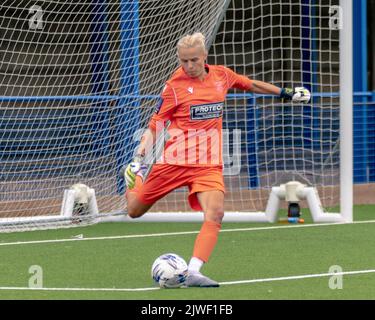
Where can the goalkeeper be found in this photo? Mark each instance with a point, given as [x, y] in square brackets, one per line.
[193, 102]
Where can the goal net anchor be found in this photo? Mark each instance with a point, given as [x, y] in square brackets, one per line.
[79, 203]
[294, 192]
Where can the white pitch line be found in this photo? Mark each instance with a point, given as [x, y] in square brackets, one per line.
[100, 238]
[81, 289]
[182, 233]
[307, 276]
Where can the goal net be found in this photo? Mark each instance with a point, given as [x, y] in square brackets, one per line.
[79, 81]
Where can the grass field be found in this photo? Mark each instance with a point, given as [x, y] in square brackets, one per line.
[251, 261]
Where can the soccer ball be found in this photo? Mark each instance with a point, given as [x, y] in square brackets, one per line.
[169, 270]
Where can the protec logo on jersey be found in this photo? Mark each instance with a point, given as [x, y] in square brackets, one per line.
[206, 111]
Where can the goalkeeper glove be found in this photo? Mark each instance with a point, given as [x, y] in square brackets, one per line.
[131, 171]
[298, 95]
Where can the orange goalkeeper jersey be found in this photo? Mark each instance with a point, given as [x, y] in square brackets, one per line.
[195, 108]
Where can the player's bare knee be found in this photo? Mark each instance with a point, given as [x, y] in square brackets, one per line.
[134, 212]
[136, 209]
[219, 215]
[215, 214]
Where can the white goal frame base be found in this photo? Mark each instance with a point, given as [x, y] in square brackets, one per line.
[292, 192]
[81, 195]
[80, 205]
[77, 196]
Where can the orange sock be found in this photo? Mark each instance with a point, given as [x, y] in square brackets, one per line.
[206, 240]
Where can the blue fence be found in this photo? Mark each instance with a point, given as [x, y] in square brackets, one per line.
[363, 101]
[364, 137]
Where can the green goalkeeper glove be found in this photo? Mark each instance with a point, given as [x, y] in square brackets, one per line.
[132, 170]
[298, 95]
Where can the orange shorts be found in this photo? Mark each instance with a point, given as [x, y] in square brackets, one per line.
[165, 178]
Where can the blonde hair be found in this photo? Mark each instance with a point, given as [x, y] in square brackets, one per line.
[196, 40]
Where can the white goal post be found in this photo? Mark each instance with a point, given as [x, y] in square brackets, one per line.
[80, 80]
[346, 111]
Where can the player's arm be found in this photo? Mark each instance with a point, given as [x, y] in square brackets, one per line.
[264, 88]
[147, 141]
[162, 115]
[299, 95]
[129, 172]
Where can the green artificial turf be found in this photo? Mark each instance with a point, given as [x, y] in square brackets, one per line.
[245, 252]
